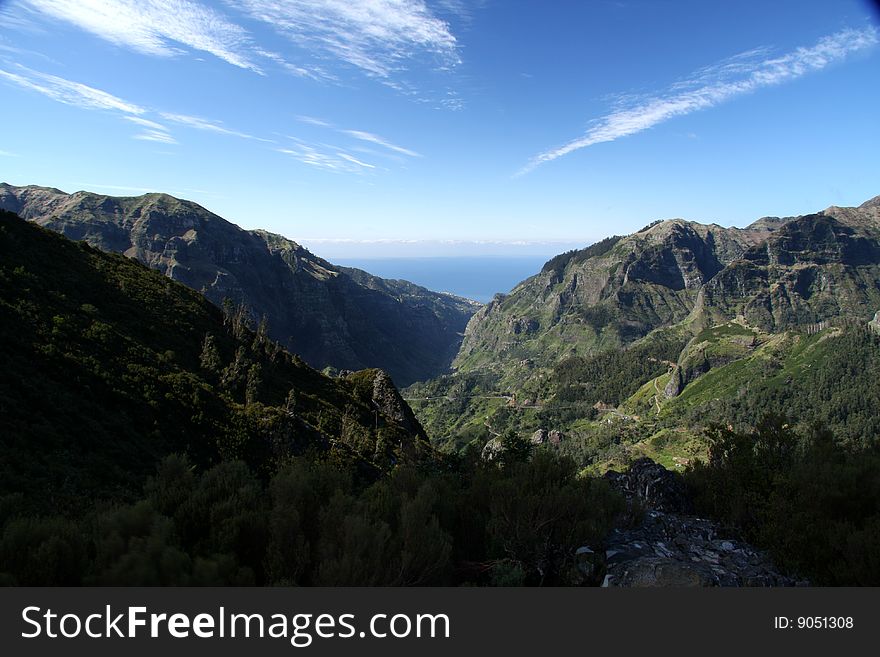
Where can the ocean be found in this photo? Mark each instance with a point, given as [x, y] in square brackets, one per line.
[475, 277]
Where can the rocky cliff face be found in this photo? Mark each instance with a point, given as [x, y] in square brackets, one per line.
[776, 274]
[813, 268]
[332, 316]
[588, 302]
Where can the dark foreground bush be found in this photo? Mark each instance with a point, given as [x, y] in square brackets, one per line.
[312, 524]
[811, 500]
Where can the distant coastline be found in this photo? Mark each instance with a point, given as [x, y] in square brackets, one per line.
[474, 277]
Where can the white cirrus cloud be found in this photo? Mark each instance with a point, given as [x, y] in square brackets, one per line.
[376, 139]
[156, 27]
[311, 120]
[376, 36]
[155, 135]
[322, 156]
[69, 92]
[711, 86]
[207, 125]
[360, 135]
[146, 123]
[313, 72]
[354, 160]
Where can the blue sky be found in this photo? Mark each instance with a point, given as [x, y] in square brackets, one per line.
[403, 127]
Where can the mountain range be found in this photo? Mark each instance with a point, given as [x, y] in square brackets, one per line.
[331, 316]
[776, 273]
[612, 338]
[109, 366]
[153, 432]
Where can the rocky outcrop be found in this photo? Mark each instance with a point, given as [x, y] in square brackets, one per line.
[682, 551]
[492, 450]
[541, 436]
[813, 268]
[389, 402]
[651, 486]
[670, 547]
[330, 316]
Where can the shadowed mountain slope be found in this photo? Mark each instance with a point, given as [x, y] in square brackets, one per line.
[331, 316]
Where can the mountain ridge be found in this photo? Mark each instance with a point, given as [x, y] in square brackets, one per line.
[331, 316]
[602, 340]
[110, 366]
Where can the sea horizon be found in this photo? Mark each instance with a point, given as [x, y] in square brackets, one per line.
[473, 277]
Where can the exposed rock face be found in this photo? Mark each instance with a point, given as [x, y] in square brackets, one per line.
[555, 437]
[670, 548]
[603, 298]
[673, 550]
[775, 275]
[492, 450]
[652, 486]
[389, 402]
[330, 315]
[541, 436]
[813, 268]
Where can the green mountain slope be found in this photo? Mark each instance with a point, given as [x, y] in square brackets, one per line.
[109, 366]
[601, 298]
[623, 347]
[149, 438]
[812, 269]
[330, 316]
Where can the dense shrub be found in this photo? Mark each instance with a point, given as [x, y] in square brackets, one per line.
[313, 523]
[812, 500]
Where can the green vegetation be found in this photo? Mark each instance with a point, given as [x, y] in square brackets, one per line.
[575, 256]
[609, 377]
[830, 377]
[312, 523]
[810, 499]
[468, 409]
[109, 366]
[150, 438]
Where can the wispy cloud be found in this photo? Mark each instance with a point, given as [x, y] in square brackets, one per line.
[376, 36]
[207, 125]
[354, 160]
[8, 154]
[86, 97]
[382, 38]
[146, 123]
[311, 120]
[322, 156]
[156, 27]
[154, 131]
[70, 93]
[155, 135]
[462, 9]
[711, 86]
[376, 139]
[360, 135]
[18, 17]
[314, 71]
